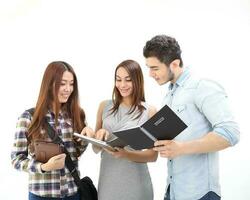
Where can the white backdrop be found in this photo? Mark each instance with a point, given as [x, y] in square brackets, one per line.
[94, 36]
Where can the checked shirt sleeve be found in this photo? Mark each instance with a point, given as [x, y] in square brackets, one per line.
[20, 158]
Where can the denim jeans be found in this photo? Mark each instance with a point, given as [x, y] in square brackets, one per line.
[35, 197]
[167, 195]
[209, 196]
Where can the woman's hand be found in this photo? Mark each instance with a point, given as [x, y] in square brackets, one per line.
[54, 163]
[102, 134]
[88, 132]
[118, 153]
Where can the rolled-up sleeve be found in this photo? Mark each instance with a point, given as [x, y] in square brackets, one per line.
[213, 102]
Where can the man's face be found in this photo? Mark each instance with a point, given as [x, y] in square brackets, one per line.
[159, 71]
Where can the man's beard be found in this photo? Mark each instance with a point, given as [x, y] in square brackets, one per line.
[170, 75]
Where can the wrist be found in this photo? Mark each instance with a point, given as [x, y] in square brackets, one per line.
[184, 148]
[189, 147]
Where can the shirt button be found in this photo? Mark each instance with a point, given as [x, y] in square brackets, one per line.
[170, 160]
[171, 177]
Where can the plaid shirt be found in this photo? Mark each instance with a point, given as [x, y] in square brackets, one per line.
[56, 183]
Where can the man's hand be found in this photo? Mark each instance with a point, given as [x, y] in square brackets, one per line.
[169, 148]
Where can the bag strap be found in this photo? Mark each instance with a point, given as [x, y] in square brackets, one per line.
[31, 111]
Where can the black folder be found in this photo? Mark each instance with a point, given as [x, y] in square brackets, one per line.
[164, 125]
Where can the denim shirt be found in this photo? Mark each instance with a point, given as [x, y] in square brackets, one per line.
[203, 106]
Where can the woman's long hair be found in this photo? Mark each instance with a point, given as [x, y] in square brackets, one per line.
[135, 73]
[48, 99]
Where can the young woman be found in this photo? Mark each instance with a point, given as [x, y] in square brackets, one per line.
[58, 105]
[124, 173]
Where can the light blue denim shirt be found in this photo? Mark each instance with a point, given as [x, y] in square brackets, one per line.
[203, 106]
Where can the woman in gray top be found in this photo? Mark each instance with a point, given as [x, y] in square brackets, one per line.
[124, 173]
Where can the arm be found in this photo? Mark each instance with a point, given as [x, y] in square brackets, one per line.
[213, 104]
[100, 133]
[209, 143]
[148, 155]
[19, 154]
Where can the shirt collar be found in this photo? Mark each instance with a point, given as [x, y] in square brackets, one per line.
[181, 80]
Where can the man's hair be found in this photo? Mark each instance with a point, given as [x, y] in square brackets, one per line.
[166, 49]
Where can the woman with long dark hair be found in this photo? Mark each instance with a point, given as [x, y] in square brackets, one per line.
[124, 173]
[58, 105]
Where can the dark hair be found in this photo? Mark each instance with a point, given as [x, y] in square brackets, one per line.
[166, 49]
[48, 94]
[135, 73]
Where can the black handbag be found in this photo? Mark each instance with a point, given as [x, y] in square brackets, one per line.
[87, 189]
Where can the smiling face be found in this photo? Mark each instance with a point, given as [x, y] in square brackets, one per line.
[66, 87]
[123, 82]
[159, 71]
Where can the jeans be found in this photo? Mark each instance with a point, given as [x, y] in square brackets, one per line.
[167, 195]
[35, 197]
[209, 196]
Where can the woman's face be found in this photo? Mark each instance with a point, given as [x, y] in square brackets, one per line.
[123, 82]
[66, 87]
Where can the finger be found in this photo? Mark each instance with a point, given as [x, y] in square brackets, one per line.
[164, 155]
[90, 133]
[119, 149]
[106, 135]
[162, 142]
[60, 156]
[83, 132]
[100, 136]
[109, 151]
[161, 148]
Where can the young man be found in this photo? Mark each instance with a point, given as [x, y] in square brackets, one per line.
[193, 166]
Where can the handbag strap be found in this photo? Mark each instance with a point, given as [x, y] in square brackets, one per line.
[68, 161]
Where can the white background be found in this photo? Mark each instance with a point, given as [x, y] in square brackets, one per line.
[94, 36]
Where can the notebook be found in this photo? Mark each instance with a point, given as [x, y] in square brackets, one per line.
[164, 125]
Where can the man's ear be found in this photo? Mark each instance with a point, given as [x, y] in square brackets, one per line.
[174, 64]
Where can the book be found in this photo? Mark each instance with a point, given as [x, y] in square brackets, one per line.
[164, 125]
[110, 144]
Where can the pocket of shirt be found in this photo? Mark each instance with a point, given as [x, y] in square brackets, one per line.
[183, 112]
